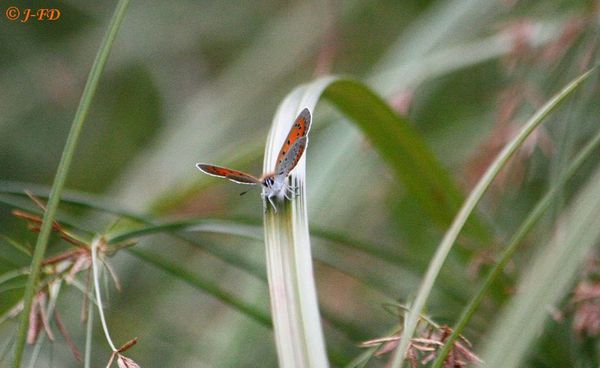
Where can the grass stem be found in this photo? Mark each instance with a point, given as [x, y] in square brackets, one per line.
[61, 175]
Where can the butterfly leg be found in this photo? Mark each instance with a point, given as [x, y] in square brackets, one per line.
[287, 193]
[290, 191]
[272, 204]
[295, 189]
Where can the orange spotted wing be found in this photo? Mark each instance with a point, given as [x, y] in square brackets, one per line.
[233, 175]
[292, 157]
[299, 129]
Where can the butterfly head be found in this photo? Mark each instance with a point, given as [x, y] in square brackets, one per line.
[268, 181]
[273, 184]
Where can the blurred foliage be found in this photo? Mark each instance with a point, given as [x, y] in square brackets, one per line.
[199, 81]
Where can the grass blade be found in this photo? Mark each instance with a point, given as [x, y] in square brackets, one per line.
[294, 308]
[513, 244]
[204, 285]
[61, 174]
[401, 147]
[468, 207]
[15, 244]
[554, 269]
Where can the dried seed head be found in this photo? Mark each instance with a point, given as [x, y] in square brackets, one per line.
[125, 362]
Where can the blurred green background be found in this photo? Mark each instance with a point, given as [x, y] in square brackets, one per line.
[191, 81]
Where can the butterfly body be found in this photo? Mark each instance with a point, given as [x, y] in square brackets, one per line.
[274, 184]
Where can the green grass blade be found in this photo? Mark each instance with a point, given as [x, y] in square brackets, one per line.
[468, 207]
[204, 285]
[401, 147]
[200, 225]
[535, 215]
[15, 244]
[61, 174]
[248, 229]
[13, 274]
[547, 280]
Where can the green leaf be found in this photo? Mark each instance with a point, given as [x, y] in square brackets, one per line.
[401, 147]
[209, 287]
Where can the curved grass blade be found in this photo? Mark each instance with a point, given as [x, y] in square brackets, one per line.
[535, 215]
[402, 148]
[468, 207]
[61, 173]
[294, 308]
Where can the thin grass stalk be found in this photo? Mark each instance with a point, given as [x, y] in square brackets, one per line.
[516, 240]
[468, 207]
[61, 174]
[549, 276]
[294, 308]
[88, 337]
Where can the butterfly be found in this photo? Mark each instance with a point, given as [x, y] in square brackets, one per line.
[273, 184]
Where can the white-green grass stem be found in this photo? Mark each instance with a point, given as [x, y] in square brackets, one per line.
[295, 312]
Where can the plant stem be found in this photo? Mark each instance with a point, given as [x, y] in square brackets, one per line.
[61, 175]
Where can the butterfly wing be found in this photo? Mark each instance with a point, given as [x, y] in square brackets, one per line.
[298, 130]
[292, 156]
[223, 172]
